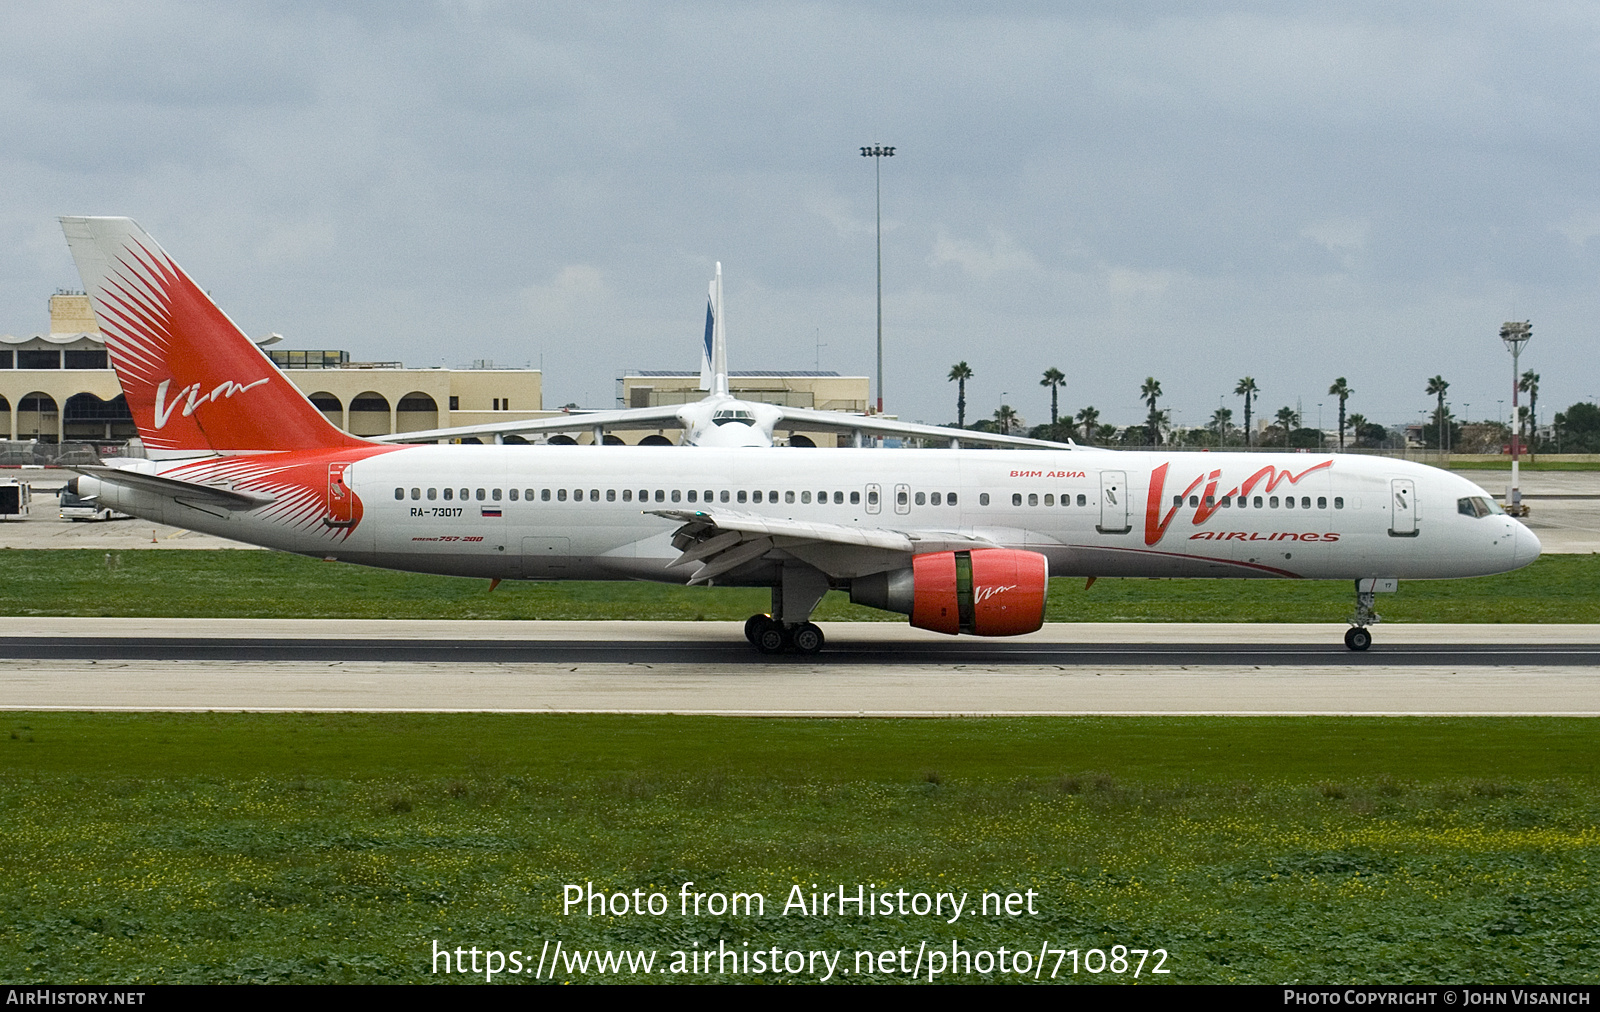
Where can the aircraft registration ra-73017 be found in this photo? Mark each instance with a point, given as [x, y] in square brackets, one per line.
[961, 540]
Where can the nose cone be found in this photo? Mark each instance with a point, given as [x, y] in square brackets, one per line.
[1527, 545]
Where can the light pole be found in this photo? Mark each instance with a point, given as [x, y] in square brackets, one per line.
[878, 153]
[1515, 335]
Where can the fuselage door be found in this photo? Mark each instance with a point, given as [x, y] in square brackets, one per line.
[1402, 508]
[874, 498]
[341, 511]
[902, 498]
[1113, 503]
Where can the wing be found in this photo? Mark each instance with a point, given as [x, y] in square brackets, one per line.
[840, 421]
[663, 417]
[719, 541]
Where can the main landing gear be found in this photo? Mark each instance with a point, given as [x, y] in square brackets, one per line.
[789, 628]
[1358, 636]
[773, 637]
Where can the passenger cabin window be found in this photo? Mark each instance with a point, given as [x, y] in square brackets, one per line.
[1083, 500]
[855, 498]
[1338, 502]
[950, 500]
[433, 493]
[449, 494]
[611, 495]
[400, 493]
[512, 495]
[983, 498]
[788, 497]
[724, 496]
[561, 494]
[805, 497]
[744, 496]
[495, 495]
[676, 496]
[692, 495]
[627, 495]
[544, 494]
[1033, 498]
[934, 498]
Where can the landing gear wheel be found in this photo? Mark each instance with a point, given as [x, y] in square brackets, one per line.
[1357, 638]
[807, 638]
[752, 626]
[772, 638]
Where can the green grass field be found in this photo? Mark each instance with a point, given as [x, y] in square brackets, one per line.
[227, 584]
[324, 848]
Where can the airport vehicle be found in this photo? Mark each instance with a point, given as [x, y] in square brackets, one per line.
[963, 541]
[77, 507]
[15, 497]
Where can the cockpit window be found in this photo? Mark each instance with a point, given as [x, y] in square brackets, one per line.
[726, 415]
[1477, 506]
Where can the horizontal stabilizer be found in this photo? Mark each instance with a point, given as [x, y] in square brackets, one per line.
[175, 489]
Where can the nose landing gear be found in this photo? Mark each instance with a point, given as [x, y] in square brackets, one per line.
[1358, 637]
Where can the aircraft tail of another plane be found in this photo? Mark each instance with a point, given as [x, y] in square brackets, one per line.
[714, 354]
[194, 382]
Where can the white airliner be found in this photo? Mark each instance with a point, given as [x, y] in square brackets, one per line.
[960, 540]
[719, 418]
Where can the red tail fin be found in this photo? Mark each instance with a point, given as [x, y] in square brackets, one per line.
[194, 383]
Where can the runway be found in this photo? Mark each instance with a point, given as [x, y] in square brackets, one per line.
[869, 669]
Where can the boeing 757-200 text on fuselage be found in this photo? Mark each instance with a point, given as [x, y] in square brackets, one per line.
[963, 541]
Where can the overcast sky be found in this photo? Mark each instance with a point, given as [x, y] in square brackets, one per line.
[1194, 192]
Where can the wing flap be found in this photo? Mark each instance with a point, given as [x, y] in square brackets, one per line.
[722, 540]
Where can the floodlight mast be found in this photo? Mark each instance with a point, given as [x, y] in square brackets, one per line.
[1515, 335]
[878, 153]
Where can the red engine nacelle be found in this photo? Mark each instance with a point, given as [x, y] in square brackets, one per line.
[988, 592]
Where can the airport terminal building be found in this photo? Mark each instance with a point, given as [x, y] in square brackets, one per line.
[59, 387]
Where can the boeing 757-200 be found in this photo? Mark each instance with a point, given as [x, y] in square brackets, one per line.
[962, 541]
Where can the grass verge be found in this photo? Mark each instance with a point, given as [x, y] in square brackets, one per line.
[224, 584]
[324, 848]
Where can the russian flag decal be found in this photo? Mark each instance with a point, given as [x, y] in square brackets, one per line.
[491, 511]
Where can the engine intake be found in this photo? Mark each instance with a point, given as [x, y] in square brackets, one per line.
[988, 592]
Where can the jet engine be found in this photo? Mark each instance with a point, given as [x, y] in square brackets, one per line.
[987, 592]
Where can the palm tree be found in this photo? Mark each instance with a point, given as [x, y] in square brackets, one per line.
[1529, 384]
[1150, 390]
[1341, 390]
[1288, 420]
[959, 374]
[1006, 418]
[1357, 423]
[1438, 385]
[1053, 378]
[1089, 419]
[1247, 389]
[1222, 421]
